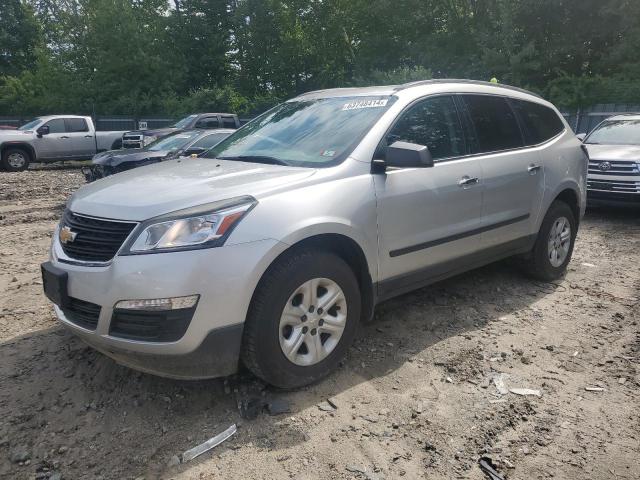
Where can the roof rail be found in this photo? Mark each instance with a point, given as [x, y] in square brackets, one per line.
[456, 80]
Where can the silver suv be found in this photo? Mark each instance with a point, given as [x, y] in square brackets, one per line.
[272, 248]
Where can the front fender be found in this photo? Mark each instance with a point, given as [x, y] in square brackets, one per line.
[21, 144]
[344, 207]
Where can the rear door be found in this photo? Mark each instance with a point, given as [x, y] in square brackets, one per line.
[82, 142]
[513, 174]
[56, 143]
[428, 217]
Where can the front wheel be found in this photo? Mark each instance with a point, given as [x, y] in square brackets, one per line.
[15, 159]
[554, 246]
[303, 317]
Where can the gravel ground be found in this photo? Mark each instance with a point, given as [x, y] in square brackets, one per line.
[424, 392]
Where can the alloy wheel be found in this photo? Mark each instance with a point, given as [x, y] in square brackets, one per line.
[313, 321]
[559, 241]
[16, 160]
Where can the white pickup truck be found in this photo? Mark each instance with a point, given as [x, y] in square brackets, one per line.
[54, 138]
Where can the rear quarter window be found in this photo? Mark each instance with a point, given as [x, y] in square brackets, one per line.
[494, 123]
[540, 123]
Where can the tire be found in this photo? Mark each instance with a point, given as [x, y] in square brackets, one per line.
[15, 159]
[540, 263]
[265, 338]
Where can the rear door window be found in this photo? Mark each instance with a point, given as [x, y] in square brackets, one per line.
[433, 122]
[494, 123]
[228, 122]
[209, 122]
[540, 123]
[76, 125]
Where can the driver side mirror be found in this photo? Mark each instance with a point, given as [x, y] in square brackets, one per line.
[43, 130]
[193, 151]
[581, 136]
[408, 155]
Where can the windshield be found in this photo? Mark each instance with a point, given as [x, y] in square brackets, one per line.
[616, 132]
[184, 122]
[30, 124]
[308, 133]
[172, 142]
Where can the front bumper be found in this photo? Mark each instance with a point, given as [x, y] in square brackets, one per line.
[224, 277]
[613, 190]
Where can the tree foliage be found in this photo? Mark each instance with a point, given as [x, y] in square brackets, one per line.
[173, 57]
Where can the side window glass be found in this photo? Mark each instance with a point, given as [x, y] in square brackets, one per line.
[76, 125]
[541, 123]
[56, 126]
[211, 122]
[432, 122]
[494, 123]
[228, 122]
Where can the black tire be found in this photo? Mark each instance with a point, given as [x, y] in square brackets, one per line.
[10, 165]
[261, 350]
[538, 263]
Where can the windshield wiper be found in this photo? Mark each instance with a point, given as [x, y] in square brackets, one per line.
[256, 159]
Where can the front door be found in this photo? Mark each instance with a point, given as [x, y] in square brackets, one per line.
[428, 217]
[55, 144]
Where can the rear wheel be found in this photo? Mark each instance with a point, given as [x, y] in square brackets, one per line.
[554, 246]
[15, 159]
[303, 317]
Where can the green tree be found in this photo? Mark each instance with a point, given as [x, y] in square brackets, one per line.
[20, 36]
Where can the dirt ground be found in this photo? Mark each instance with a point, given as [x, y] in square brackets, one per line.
[418, 397]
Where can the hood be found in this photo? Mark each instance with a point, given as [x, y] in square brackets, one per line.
[614, 152]
[165, 187]
[155, 132]
[15, 135]
[113, 158]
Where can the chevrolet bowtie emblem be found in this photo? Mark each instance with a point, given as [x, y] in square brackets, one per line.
[66, 235]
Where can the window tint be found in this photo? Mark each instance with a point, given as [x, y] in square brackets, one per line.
[433, 122]
[210, 140]
[228, 122]
[494, 122]
[540, 122]
[210, 122]
[56, 126]
[76, 125]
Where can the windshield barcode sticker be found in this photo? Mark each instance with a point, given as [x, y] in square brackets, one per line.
[358, 104]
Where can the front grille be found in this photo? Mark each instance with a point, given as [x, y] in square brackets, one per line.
[96, 240]
[619, 186]
[132, 141]
[151, 326]
[620, 168]
[83, 314]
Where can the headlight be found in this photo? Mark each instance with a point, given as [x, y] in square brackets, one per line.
[209, 226]
[147, 140]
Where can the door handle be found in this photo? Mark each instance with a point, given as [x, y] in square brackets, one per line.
[533, 169]
[63, 137]
[468, 181]
[88, 136]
